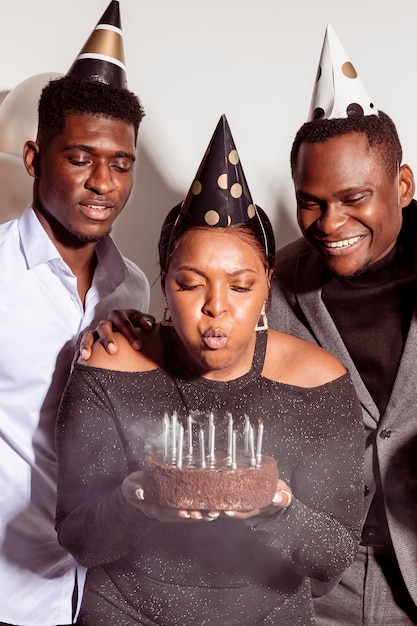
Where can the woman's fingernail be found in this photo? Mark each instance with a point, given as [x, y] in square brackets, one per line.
[277, 499]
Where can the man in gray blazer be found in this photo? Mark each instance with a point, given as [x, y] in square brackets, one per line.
[350, 286]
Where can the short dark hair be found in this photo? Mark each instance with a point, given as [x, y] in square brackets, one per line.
[256, 229]
[68, 95]
[379, 130]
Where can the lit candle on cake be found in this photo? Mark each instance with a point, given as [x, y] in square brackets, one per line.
[246, 435]
[174, 437]
[211, 436]
[202, 449]
[252, 460]
[229, 438]
[259, 442]
[166, 436]
[180, 444]
[234, 464]
[190, 435]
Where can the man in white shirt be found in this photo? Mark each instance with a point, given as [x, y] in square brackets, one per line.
[60, 274]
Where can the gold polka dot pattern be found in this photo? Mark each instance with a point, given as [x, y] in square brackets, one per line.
[219, 195]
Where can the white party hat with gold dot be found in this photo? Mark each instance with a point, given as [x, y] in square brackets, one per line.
[338, 91]
[102, 56]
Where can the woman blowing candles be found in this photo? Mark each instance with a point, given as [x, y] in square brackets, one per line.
[154, 565]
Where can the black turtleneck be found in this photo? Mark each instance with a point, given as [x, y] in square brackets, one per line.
[373, 311]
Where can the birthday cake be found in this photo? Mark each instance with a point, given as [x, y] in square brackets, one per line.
[217, 487]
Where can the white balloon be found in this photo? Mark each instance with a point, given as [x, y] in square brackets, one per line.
[19, 113]
[16, 187]
[3, 94]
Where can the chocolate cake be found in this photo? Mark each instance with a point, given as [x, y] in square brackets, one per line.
[217, 487]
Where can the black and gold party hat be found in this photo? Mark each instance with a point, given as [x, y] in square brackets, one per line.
[219, 194]
[102, 56]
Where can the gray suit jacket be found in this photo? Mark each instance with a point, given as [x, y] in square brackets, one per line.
[297, 308]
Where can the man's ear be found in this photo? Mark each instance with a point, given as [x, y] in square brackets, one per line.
[406, 185]
[31, 158]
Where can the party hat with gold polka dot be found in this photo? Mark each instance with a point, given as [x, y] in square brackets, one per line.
[338, 91]
[102, 56]
[219, 194]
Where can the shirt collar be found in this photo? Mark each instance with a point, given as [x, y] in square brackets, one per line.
[36, 245]
[39, 249]
[111, 265]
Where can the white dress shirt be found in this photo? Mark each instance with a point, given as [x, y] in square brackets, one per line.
[41, 316]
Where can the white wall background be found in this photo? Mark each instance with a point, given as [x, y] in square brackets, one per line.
[190, 61]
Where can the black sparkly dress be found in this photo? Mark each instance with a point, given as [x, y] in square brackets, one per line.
[224, 572]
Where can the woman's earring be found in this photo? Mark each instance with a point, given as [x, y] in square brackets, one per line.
[263, 321]
[166, 316]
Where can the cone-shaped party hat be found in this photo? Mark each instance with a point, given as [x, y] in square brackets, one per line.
[338, 91]
[219, 194]
[102, 56]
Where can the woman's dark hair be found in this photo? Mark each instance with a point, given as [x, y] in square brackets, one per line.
[258, 230]
[379, 130]
[68, 95]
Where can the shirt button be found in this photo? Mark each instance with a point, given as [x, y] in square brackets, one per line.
[385, 433]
